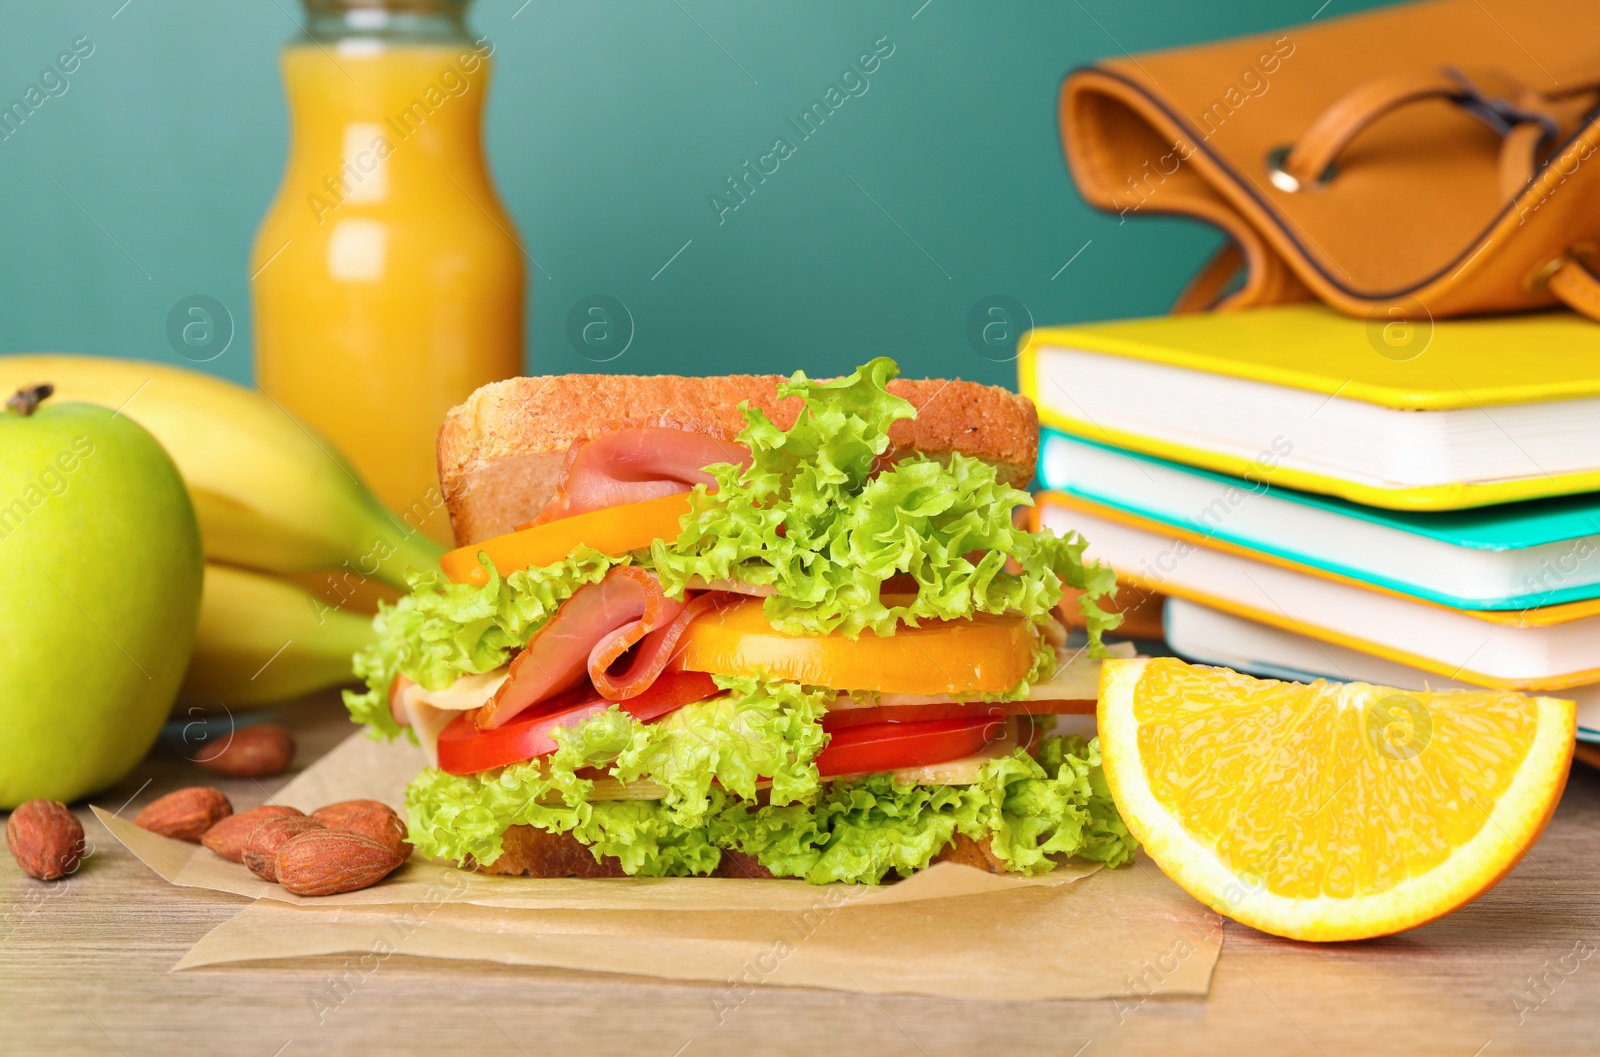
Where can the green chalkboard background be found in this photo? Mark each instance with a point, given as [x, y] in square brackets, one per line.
[612, 123]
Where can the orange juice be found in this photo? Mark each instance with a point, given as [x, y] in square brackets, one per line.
[387, 279]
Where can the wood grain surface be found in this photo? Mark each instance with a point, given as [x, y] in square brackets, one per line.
[84, 969]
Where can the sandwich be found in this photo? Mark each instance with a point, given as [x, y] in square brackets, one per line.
[745, 626]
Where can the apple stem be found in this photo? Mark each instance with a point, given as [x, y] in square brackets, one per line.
[26, 401]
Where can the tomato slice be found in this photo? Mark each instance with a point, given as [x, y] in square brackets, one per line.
[875, 747]
[615, 530]
[986, 654]
[844, 718]
[463, 749]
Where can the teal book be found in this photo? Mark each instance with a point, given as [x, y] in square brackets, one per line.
[1507, 557]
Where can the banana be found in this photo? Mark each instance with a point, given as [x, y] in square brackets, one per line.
[262, 639]
[270, 493]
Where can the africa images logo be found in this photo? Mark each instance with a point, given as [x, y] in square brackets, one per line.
[52, 82]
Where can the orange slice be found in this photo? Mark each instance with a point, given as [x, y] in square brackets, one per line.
[1328, 811]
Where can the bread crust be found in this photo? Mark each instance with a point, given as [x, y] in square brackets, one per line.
[530, 852]
[978, 854]
[500, 452]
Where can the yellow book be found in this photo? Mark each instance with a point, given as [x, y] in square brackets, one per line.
[1407, 415]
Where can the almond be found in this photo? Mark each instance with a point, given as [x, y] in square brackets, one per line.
[261, 847]
[376, 821]
[334, 814]
[45, 838]
[257, 751]
[325, 862]
[185, 814]
[227, 838]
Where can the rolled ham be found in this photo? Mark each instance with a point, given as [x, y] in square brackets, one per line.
[587, 636]
[655, 650]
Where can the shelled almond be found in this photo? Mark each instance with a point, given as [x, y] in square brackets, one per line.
[260, 855]
[45, 838]
[185, 814]
[368, 818]
[257, 751]
[323, 862]
[228, 837]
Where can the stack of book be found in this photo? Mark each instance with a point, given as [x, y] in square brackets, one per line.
[1313, 506]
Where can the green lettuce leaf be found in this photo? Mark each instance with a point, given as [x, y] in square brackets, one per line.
[444, 630]
[456, 818]
[853, 831]
[647, 841]
[810, 519]
[759, 731]
[859, 831]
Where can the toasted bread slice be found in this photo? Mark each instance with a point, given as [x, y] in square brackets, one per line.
[501, 452]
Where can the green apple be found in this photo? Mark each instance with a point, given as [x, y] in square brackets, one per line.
[101, 566]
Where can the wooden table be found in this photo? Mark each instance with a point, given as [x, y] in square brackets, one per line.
[84, 969]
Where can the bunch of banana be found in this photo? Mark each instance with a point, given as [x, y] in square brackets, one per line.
[271, 496]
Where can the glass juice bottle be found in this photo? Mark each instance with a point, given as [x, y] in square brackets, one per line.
[387, 279]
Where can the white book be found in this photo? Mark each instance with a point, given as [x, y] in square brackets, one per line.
[1210, 636]
[1537, 650]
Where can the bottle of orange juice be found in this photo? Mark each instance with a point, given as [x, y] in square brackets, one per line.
[387, 278]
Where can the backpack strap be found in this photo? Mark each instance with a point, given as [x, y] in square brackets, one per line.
[1529, 122]
[1573, 281]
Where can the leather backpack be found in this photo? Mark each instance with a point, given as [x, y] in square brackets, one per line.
[1427, 159]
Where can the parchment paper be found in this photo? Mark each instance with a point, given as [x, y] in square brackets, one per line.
[949, 930]
[1127, 933]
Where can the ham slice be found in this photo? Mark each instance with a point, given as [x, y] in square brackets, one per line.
[655, 650]
[634, 463]
[588, 634]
